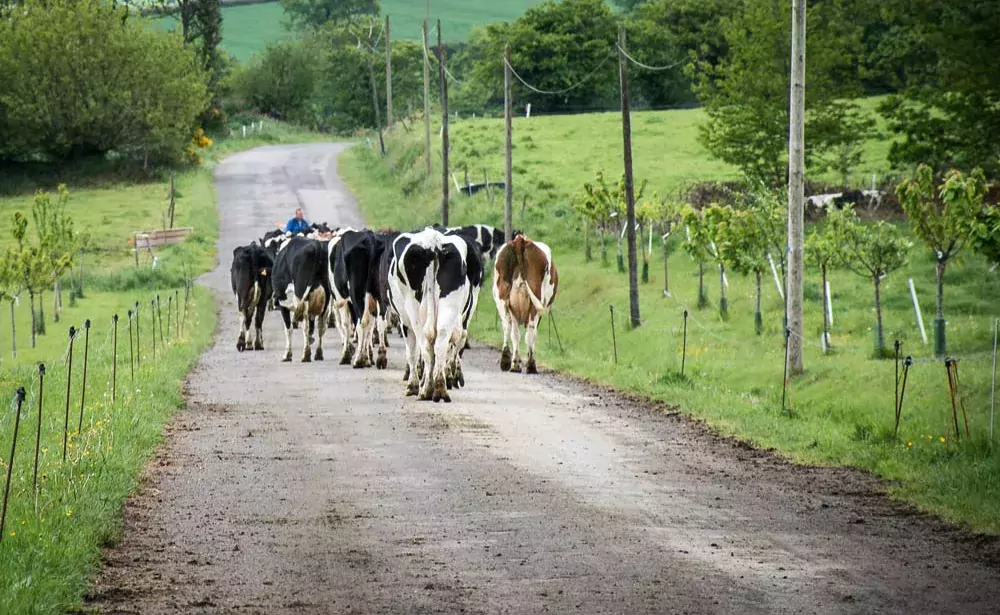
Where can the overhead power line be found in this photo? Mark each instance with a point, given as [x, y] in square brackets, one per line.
[646, 66]
[564, 90]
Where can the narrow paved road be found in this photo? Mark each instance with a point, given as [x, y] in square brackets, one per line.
[316, 488]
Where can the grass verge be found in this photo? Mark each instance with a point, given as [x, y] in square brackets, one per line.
[52, 542]
[841, 412]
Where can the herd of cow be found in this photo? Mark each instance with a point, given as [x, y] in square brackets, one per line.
[424, 283]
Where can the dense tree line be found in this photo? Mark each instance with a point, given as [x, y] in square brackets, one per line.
[87, 78]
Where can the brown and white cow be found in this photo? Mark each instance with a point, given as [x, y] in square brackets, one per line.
[525, 281]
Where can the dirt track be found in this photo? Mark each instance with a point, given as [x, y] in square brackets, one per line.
[291, 488]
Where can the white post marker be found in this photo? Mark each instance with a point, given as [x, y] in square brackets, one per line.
[777, 280]
[916, 308]
[527, 110]
[829, 304]
[244, 131]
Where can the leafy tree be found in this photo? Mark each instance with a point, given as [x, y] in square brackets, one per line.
[947, 113]
[680, 32]
[603, 204]
[80, 79]
[699, 242]
[312, 14]
[843, 130]
[824, 249]
[554, 46]
[54, 233]
[743, 243]
[943, 219]
[872, 251]
[746, 95]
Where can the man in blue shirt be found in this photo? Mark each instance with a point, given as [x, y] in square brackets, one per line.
[298, 224]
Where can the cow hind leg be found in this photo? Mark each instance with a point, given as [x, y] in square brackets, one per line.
[515, 342]
[318, 355]
[286, 316]
[530, 336]
[258, 340]
[442, 347]
[307, 334]
[411, 377]
[427, 368]
[505, 318]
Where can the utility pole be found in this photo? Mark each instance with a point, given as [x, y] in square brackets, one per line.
[796, 188]
[443, 77]
[427, 103]
[375, 105]
[388, 75]
[508, 116]
[633, 277]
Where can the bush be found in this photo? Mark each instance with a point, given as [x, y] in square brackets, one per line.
[83, 77]
[281, 81]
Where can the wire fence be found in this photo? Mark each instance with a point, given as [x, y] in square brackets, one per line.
[77, 402]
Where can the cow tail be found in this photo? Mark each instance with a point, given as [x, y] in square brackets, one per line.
[431, 292]
[521, 274]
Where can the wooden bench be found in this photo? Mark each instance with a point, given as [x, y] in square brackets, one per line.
[147, 240]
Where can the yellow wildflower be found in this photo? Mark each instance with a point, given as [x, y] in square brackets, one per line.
[941, 438]
[69, 512]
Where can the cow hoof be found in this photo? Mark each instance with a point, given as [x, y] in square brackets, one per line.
[532, 369]
[505, 360]
[345, 360]
[411, 389]
[382, 362]
[440, 390]
[461, 378]
[258, 346]
[406, 373]
[306, 359]
[318, 355]
[287, 358]
[241, 346]
[516, 367]
[450, 383]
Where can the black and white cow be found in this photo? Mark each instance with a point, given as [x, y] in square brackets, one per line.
[350, 261]
[251, 282]
[386, 316]
[301, 284]
[488, 238]
[429, 289]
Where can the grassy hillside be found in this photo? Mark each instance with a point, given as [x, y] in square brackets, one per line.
[840, 412]
[248, 29]
[51, 544]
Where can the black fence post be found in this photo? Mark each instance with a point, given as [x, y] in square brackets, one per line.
[178, 332]
[159, 318]
[69, 382]
[138, 348]
[684, 347]
[152, 311]
[10, 465]
[170, 304]
[38, 432]
[83, 392]
[131, 354]
[614, 338]
[114, 359]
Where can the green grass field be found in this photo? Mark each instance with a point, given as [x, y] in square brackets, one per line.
[841, 410]
[248, 29]
[51, 545]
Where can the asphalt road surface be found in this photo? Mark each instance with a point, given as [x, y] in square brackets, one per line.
[316, 488]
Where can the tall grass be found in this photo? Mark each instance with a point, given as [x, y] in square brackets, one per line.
[840, 412]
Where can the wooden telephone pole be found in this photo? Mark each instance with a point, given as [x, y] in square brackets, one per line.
[427, 104]
[796, 187]
[388, 74]
[508, 204]
[443, 77]
[633, 277]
